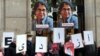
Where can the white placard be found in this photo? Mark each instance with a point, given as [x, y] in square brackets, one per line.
[41, 44]
[42, 26]
[88, 37]
[7, 38]
[67, 24]
[77, 40]
[21, 43]
[58, 35]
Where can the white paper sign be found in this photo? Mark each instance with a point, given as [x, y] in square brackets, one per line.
[7, 38]
[41, 44]
[42, 26]
[67, 24]
[21, 43]
[58, 35]
[88, 37]
[77, 40]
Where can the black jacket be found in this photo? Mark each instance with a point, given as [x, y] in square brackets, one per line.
[30, 49]
[11, 51]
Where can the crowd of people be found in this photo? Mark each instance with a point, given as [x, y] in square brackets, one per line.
[54, 49]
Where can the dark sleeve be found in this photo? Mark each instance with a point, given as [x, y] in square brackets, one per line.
[30, 49]
[6, 52]
[76, 31]
[10, 52]
[33, 25]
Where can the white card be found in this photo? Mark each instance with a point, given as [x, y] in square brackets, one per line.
[77, 40]
[7, 38]
[21, 43]
[67, 24]
[88, 37]
[41, 44]
[59, 35]
[42, 26]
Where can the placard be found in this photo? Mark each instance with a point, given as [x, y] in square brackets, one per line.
[7, 38]
[68, 24]
[21, 43]
[42, 26]
[77, 40]
[58, 35]
[41, 44]
[88, 37]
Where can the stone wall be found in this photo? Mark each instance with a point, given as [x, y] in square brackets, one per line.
[97, 17]
[15, 16]
[92, 18]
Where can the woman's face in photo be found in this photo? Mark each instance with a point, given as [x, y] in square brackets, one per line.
[65, 11]
[41, 11]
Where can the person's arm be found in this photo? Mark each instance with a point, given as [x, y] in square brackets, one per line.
[34, 25]
[50, 22]
[76, 31]
[76, 24]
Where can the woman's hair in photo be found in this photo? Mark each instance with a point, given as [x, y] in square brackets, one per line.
[62, 5]
[37, 5]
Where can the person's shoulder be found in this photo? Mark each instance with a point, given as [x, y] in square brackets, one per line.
[12, 44]
[48, 17]
[74, 17]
